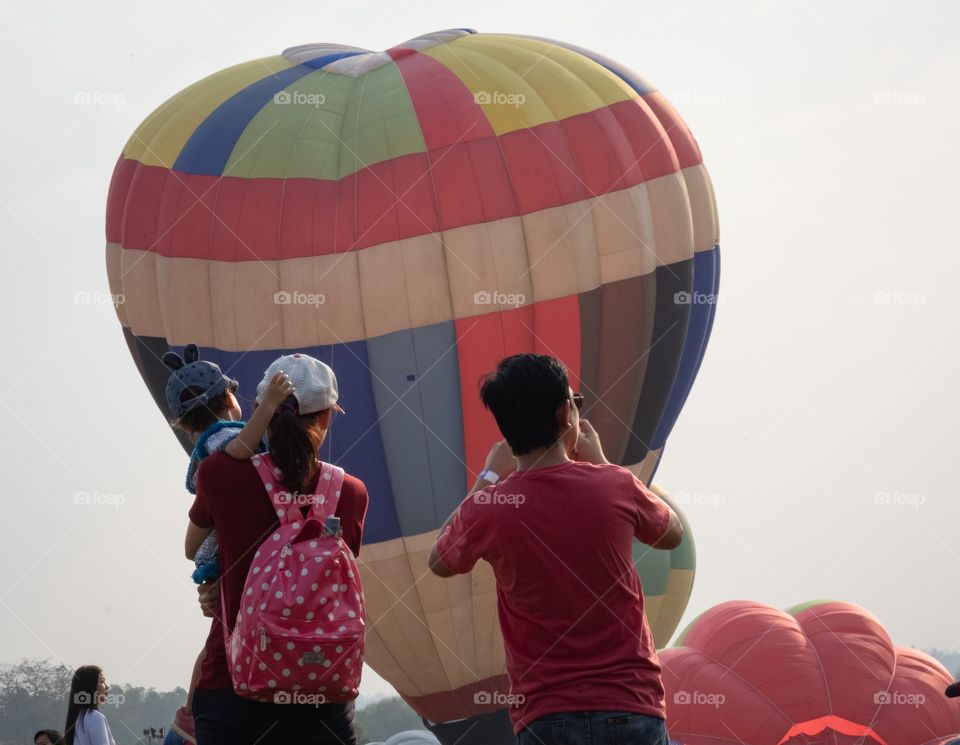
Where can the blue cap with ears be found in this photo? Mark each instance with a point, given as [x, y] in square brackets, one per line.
[189, 372]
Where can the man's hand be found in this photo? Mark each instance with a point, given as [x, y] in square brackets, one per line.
[589, 449]
[501, 460]
[209, 598]
[277, 391]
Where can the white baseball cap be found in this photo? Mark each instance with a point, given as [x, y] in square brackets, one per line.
[314, 384]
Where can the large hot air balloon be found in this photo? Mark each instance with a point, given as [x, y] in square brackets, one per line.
[410, 217]
[744, 673]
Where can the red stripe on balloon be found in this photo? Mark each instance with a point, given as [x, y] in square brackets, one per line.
[239, 219]
[838, 724]
[688, 152]
[550, 327]
[123, 172]
[446, 109]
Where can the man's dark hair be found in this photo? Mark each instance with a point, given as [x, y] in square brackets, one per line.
[524, 394]
[55, 737]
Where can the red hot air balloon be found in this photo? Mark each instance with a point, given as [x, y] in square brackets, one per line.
[823, 673]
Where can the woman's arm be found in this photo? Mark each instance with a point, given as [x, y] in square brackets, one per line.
[244, 445]
[194, 539]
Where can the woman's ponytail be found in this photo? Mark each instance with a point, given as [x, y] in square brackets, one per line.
[294, 442]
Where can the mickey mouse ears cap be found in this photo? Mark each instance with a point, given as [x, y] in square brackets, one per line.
[189, 372]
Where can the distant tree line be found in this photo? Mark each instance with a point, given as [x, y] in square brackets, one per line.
[33, 696]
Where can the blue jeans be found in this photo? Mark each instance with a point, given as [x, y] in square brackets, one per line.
[173, 738]
[595, 728]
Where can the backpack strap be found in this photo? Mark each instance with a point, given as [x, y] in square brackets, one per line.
[327, 494]
[284, 504]
[325, 498]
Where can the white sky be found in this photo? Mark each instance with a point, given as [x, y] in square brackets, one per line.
[831, 132]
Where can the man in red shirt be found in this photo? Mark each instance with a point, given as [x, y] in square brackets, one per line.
[558, 533]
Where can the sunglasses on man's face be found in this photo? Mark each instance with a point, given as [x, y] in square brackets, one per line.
[577, 399]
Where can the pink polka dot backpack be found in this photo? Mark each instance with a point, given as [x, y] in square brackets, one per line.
[298, 636]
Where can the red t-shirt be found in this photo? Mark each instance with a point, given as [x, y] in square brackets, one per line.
[231, 498]
[570, 604]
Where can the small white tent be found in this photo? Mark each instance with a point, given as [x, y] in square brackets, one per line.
[410, 737]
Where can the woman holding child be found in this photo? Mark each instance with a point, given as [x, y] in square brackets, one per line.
[231, 498]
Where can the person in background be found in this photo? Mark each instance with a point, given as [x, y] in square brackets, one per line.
[48, 737]
[556, 521]
[86, 724]
[232, 499]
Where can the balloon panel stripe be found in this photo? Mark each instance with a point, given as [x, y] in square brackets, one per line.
[484, 340]
[209, 148]
[161, 136]
[663, 356]
[702, 308]
[446, 109]
[472, 182]
[416, 387]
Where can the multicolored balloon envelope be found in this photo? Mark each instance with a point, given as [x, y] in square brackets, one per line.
[410, 217]
[744, 673]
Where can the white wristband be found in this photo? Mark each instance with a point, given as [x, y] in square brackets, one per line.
[490, 476]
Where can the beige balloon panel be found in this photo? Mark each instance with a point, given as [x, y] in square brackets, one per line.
[426, 634]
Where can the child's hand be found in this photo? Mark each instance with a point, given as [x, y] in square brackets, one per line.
[279, 389]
